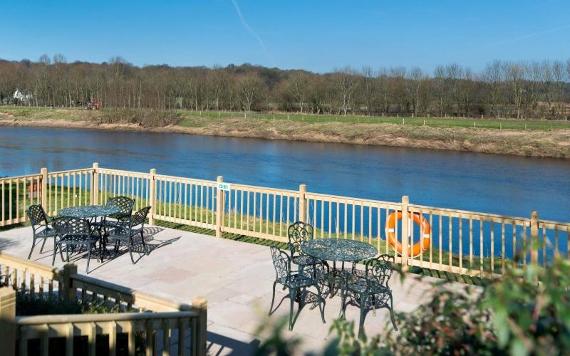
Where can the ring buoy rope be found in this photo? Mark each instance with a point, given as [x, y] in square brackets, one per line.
[425, 232]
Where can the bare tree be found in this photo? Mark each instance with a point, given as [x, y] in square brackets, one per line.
[502, 89]
[250, 90]
[297, 86]
[345, 84]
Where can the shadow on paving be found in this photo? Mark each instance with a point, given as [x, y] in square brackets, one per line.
[5, 243]
[220, 344]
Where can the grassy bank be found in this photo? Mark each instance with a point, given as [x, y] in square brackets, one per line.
[535, 138]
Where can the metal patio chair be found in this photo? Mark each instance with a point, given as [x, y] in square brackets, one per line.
[299, 232]
[41, 227]
[297, 284]
[127, 229]
[75, 236]
[370, 290]
[125, 206]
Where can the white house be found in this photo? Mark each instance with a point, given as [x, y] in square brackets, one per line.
[22, 97]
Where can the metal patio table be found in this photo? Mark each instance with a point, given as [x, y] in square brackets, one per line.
[91, 213]
[341, 250]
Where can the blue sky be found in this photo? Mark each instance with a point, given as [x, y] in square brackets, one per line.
[318, 35]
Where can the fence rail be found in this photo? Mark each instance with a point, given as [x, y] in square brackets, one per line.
[154, 324]
[460, 241]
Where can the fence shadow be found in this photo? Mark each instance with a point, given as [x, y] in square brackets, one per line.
[222, 345]
[6, 243]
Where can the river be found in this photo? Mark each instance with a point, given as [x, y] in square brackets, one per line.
[479, 182]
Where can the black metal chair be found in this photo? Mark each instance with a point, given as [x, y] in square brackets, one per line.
[298, 233]
[75, 235]
[370, 290]
[126, 229]
[125, 205]
[41, 227]
[297, 283]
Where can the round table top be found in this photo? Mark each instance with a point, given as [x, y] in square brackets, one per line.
[89, 211]
[332, 249]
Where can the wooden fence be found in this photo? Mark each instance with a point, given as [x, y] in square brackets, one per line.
[161, 326]
[460, 241]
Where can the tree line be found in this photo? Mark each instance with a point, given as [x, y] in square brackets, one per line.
[503, 89]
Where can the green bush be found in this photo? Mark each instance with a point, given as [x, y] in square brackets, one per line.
[525, 312]
[28, 305]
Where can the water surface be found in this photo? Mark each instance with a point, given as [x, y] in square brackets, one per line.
[488, 183]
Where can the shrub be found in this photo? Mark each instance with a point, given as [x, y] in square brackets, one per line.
[28, 305]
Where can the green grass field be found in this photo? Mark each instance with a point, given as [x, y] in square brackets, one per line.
[189, 118]
[192, 118]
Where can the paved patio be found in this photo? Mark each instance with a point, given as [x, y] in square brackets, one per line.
[235, 277]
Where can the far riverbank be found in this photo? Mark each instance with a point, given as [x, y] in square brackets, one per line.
[553, 143]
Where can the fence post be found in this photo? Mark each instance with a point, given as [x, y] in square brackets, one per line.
[152, 196]
[302, 202]
[200, 334]
[66, 284]
[8, 327]
[405, 229]
[534, 237]
[44, 192]
[95, 184]
[219, 206]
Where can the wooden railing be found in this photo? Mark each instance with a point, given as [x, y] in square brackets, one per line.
[16, 193]
[29, 277]
[160, 325]
[463, 242]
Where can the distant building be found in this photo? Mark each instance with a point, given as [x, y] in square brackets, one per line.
[23, 97]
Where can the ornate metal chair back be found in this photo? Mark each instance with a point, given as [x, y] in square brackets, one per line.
[73, 227]
[380, 269]
[281, 262]
[125, 204]
[139, 218]
[37, 215]
[299, 232]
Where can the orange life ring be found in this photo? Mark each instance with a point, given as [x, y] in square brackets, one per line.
[425, 230]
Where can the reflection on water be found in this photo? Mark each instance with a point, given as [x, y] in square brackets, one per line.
[496, 184]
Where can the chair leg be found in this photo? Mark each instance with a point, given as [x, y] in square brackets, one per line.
[342, 304]
[54, 252]
[32, 249]
[43, 244]
[102, 249]
[392, 313]
[292, 296]
[88, 258]
[363, 312]
[272, 298]
[321, 304]
[130, 247]
[61, 252]
[144, 243]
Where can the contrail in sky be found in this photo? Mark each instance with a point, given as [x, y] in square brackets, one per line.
[531, 35]
[248, 27]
